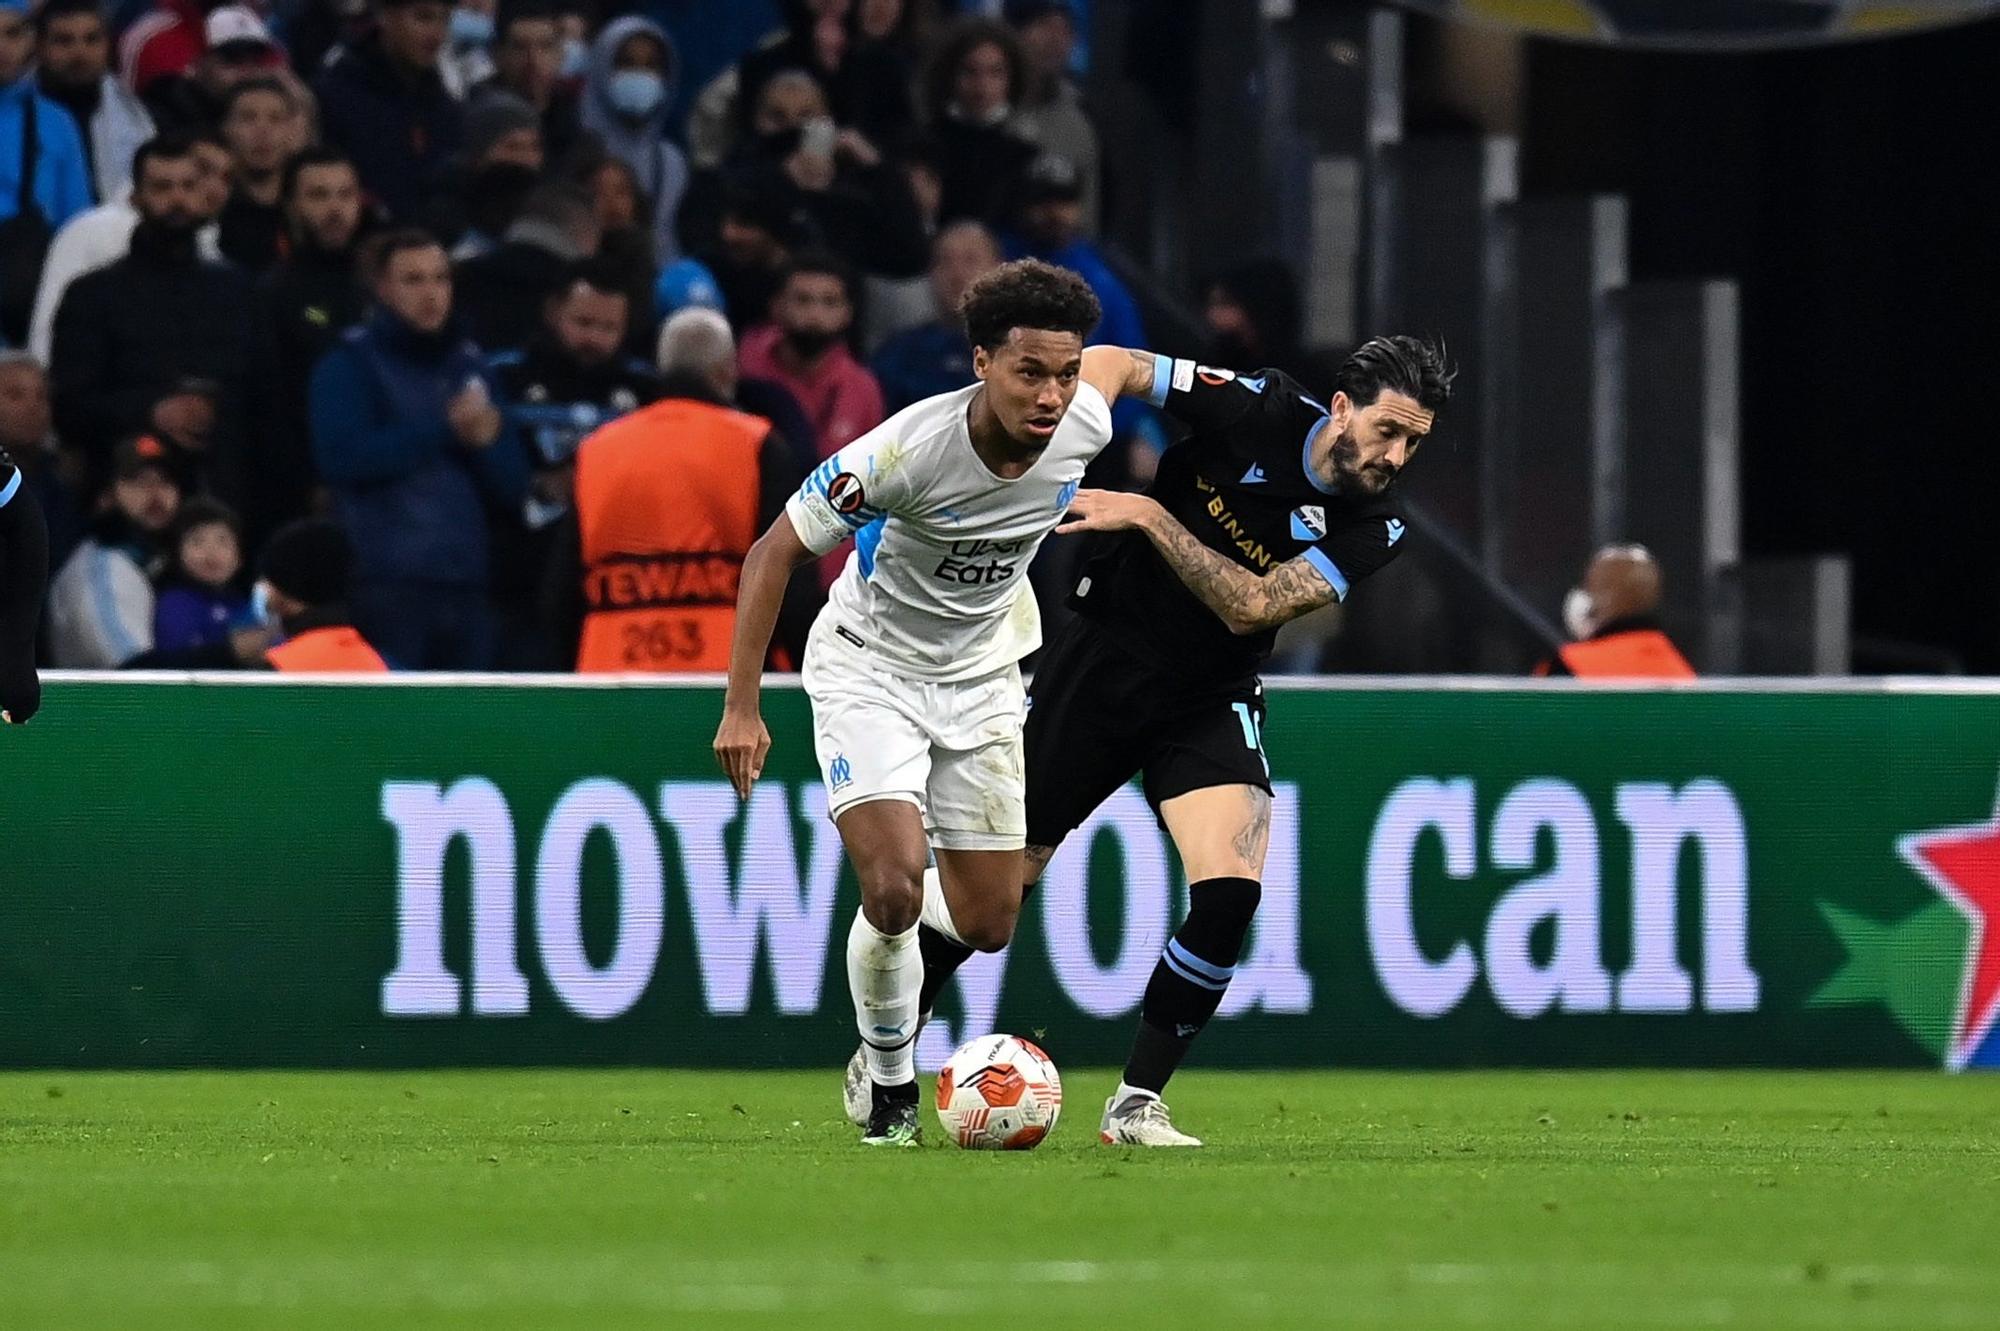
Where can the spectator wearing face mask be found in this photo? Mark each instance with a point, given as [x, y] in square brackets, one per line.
[866, 78]
[804, 350]
[467, 59]
[74, 68]
[754, 240]
[633, 70]
[971, 90]
[835, 182]
[484, 191]
[1614, 619]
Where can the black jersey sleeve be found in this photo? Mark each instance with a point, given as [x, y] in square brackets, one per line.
[1207, 399]
[24, 576]
[1356, 548]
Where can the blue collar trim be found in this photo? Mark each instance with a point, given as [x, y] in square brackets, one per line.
[1306, 458]
[12, 487]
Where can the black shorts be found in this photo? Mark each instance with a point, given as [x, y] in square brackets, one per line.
[1098, 716]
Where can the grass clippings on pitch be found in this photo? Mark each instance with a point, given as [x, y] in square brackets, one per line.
[545, 1199]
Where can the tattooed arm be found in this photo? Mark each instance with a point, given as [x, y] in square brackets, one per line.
[1122, 372]
[1241, 599]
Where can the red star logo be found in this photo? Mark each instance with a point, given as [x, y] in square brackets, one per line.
[1963, 864]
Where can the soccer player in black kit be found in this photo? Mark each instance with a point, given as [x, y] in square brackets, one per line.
[1275, 506]
[24, 578]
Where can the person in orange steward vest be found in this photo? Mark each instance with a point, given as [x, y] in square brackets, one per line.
[304, 586]
[668, 500]
[1612, 618]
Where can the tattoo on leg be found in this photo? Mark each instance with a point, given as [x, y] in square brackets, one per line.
[1256, 834]
[1038, 858]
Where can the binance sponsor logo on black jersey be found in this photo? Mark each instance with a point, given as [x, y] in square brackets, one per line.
[1253, 550]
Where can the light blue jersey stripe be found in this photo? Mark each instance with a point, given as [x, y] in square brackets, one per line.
[1327, 569]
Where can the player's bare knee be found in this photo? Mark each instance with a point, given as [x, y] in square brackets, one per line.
[990, 927]
[892, 894]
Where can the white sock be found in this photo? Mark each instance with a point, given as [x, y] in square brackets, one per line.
[885, 973]
[1125, 1092]
[936, 911]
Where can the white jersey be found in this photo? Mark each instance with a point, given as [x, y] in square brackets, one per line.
[938, 581]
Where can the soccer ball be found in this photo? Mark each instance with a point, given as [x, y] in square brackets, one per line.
[998, 1093]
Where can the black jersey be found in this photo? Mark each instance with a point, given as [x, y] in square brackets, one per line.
[24, 576]
[1243, 486]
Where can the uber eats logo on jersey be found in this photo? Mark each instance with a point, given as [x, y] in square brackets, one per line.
[1542, 945]
[980, 562]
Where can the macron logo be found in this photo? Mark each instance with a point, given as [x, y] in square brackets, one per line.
[1254, 476]
[1395, 530]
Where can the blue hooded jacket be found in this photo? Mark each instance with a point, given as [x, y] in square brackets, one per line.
[62, 173]
[412, 497]
[641, 144]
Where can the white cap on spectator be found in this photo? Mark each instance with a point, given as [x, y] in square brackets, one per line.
[237, 23]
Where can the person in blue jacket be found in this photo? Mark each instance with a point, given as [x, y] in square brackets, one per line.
[1048, 225]
[31, 125]
[415, 452]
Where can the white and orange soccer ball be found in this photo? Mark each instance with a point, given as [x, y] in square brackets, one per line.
[998, 1093]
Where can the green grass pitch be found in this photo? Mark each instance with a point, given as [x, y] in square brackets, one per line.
[548, 1199]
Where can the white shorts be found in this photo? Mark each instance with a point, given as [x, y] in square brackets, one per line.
[953, 750]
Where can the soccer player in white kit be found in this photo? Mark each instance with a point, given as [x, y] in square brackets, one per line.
[913, 666]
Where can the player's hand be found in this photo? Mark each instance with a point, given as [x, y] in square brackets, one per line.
[741, 745]
[1108, 510]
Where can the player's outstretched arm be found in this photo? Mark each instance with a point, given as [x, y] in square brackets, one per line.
[24, 577]
[1245, 601]
[741, 741]
[1123, 371]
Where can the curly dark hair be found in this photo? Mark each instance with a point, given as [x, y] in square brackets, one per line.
[1407, 365]
[1027, 293]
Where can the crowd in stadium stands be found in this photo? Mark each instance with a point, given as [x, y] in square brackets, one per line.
[384, 265]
